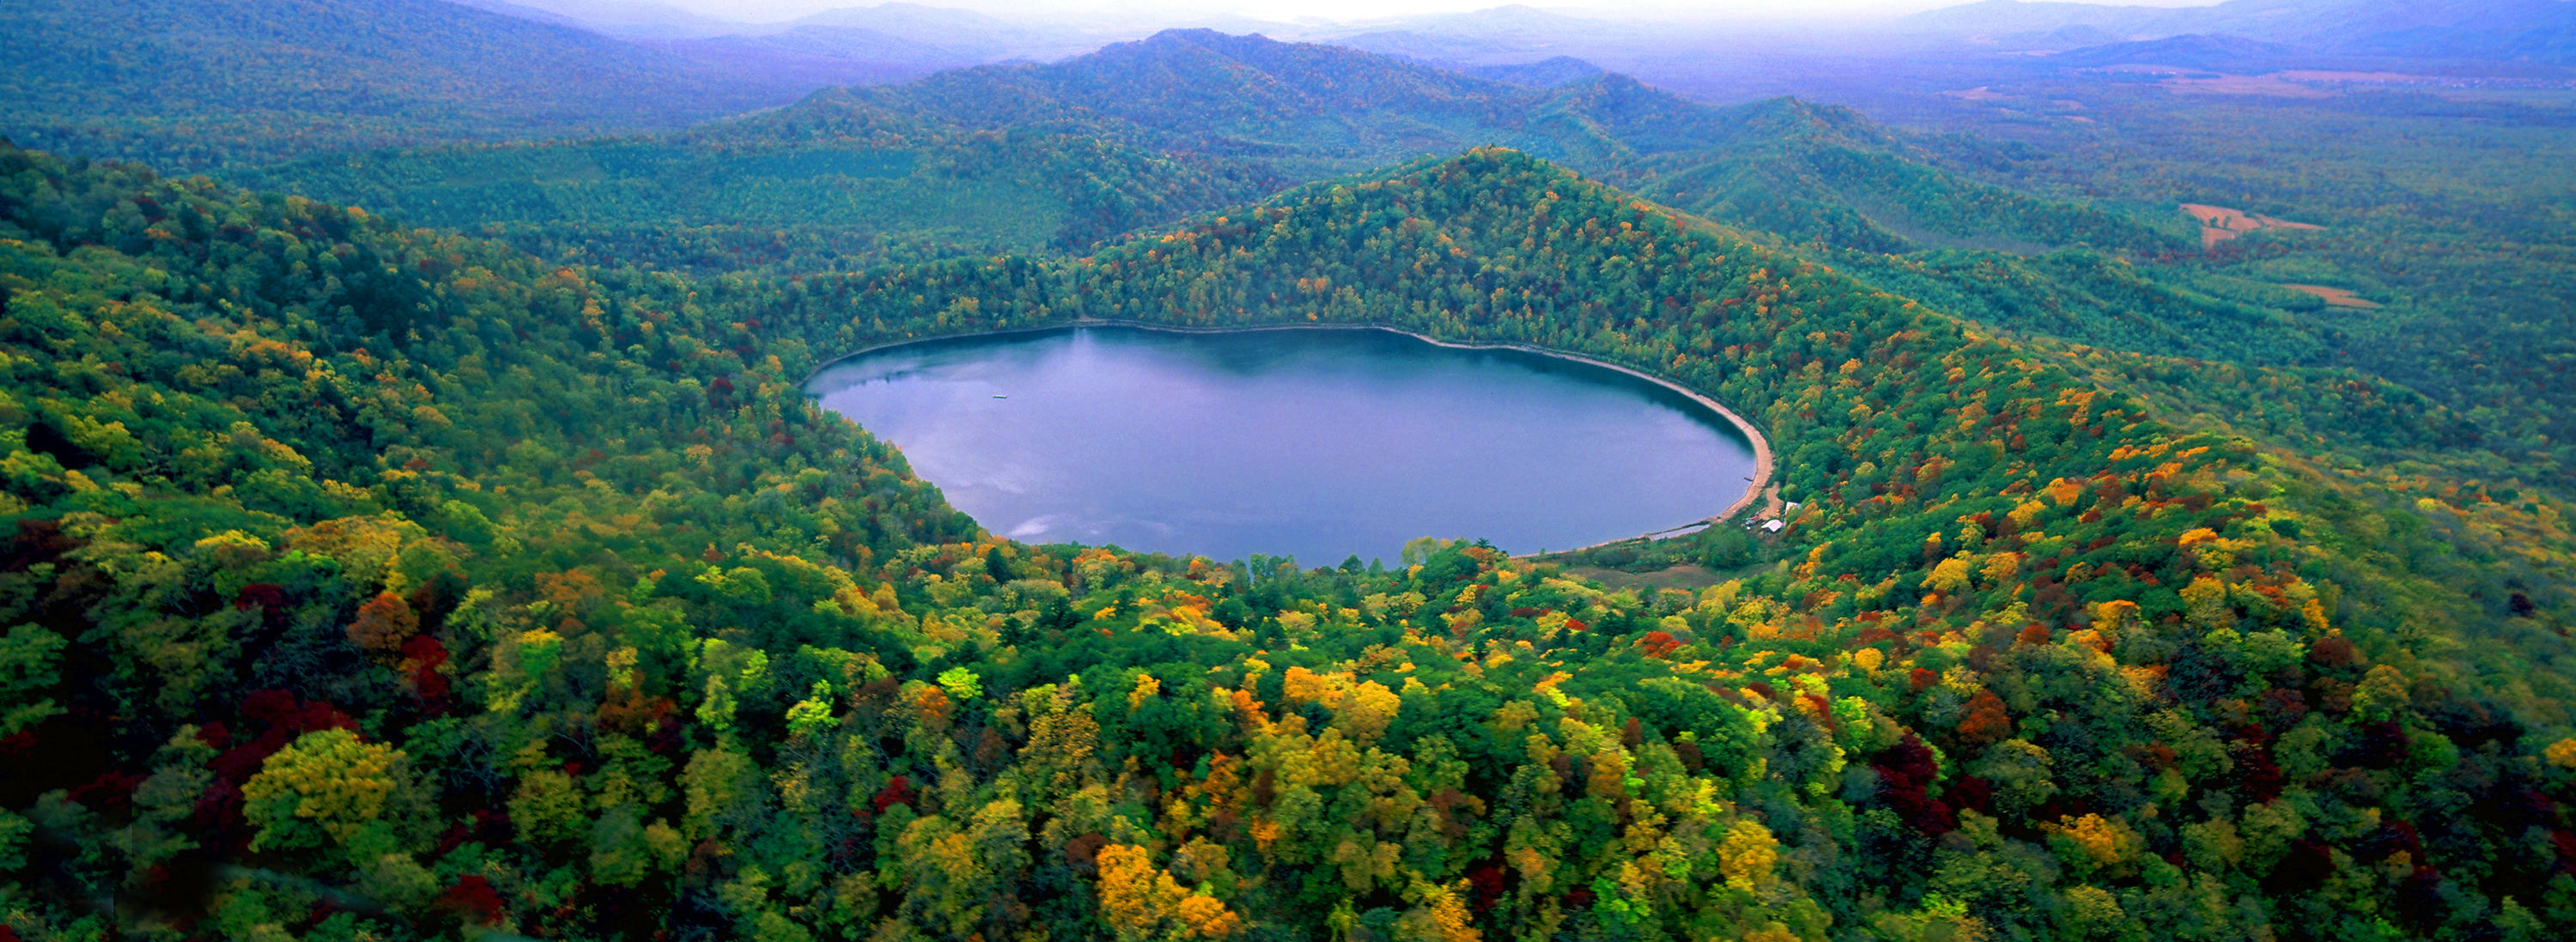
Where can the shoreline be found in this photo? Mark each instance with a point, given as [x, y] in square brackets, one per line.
[1763, 466]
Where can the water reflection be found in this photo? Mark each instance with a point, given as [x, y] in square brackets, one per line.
[1316, 443]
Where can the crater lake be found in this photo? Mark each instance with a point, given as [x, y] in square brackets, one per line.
[1318, 443]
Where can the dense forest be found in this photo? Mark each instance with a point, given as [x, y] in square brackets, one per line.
[195, 85]
[418, 526]
[2452, 253]
[379, 582]
[2459, 249]
[1061, 157]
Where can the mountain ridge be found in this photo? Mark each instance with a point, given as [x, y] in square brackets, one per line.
[1234, 117]
[2465, 29]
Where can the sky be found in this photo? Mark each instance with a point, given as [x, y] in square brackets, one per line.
[1338, 10]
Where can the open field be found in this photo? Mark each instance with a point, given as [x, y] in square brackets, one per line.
[2219, 223]
[2335, 297]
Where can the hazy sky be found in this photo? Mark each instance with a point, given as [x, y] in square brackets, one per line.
[1345, 10]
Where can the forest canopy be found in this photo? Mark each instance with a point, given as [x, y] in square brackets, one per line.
[387, 582]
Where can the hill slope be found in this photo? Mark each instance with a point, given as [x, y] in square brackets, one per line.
[200, 83]
[381, 582]
[1140, 133]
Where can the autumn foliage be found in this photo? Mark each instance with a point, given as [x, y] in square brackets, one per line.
[406, 583]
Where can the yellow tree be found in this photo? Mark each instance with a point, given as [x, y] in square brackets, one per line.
[1136, 897]
[1141, 901]
[1439, 914]
[327, 781]
[1747, 855]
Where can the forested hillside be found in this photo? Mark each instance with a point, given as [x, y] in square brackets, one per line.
[191, 84]
[1060, 157]
[2452, 250]
[381, 582]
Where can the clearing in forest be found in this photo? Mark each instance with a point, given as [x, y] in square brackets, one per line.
[2336, 297]
[2219, 223]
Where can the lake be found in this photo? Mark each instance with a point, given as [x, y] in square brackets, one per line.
[1313, 442]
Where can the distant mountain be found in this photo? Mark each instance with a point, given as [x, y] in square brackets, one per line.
[1205, 92]
[889, 42]
[812, 57]
[1427, 47]
[195, 83]
[857, 43]
[963, 33]
[2072, 37]
[1488, 37]
[1338, 110]
[912, 35]
[1025, 157]
[1547, 73]
[506, 8]
[2351, 24]
[1514, 24]
[2553, 43]
[1993, 18]
[2213, 53]
[2450, 29]
[631, 19]
[1234, 24]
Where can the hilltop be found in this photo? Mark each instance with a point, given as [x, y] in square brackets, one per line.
[1064, 155]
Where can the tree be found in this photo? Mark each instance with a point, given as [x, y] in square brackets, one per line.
[547, 807]
[961, 684]
[2381, 694]
[1746, 857]
[1140, 901]
[384, 624]
[326, 784]
[722, 787]
[29, 668]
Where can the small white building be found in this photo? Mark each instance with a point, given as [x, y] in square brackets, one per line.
[1772, 526]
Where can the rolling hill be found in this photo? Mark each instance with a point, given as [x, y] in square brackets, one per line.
[196, 83]
[1067, 154]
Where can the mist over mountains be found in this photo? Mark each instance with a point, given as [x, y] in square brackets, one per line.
[310, 76]
[2442, 29]
[2428, 28]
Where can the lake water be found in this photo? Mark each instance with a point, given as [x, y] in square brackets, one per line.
[1316, 443]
